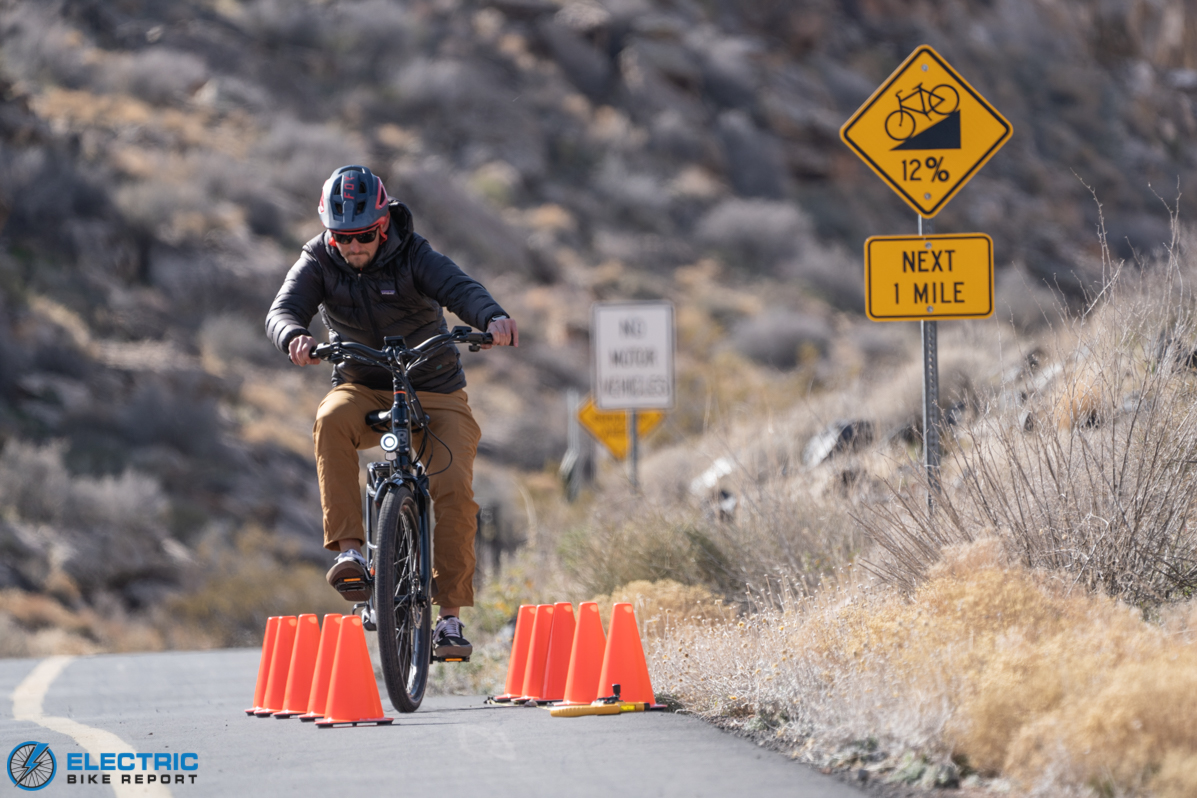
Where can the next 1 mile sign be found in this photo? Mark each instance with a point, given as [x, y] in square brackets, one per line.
[633, 355]
[929, 277]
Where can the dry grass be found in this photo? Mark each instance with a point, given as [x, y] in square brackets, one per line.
[659, 605]
[37, 625]
[239, 586]
[1084, 465]
[988, 666]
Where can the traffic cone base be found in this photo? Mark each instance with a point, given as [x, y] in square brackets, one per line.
[353, 697]
[280, 666]
[623, 659]
[586, 657]
[328, 724]
[318, 696]
[518, 661]
[264, 664]
[303, 667]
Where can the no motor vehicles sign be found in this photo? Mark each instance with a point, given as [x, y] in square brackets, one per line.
[633, 355]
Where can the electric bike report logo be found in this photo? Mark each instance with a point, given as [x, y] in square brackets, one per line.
[31, 765]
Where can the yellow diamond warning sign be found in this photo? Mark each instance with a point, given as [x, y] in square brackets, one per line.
[610, 427]
[911, 278]
[926, 132]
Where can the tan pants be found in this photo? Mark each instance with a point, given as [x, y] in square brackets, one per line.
[341, 430]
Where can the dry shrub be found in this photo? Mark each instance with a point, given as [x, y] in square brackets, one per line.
[782, 339]
[754, 234]
[36, 625]
[663, 603]
[1086, 466]
[240, 586]
[1003, 669]
[302, 155]
[39, 47]
[774, 536]
[652, 547]
[157, 75]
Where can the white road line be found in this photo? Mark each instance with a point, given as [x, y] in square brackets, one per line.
[27, 701]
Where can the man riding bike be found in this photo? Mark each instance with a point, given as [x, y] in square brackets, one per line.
[370, 276]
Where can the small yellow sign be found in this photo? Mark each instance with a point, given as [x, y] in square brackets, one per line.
[911, 278]
[926, 131]
[610, 427]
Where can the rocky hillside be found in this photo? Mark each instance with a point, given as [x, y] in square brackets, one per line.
[160, 161]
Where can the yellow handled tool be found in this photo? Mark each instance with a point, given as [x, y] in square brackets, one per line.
[597, 709]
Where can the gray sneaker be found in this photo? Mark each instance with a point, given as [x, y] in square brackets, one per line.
[448, 641]
[349, 576]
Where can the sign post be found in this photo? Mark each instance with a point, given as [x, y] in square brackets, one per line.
[633, 363]
[926, 132]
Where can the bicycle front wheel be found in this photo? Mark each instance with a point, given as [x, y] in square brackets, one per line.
[405, 632]
[943, 99]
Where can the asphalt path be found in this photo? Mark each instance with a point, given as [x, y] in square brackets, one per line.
[193, 702]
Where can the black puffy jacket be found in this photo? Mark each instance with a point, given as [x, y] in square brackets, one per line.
[401, 292]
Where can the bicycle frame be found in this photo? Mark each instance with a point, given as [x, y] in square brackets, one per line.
[386, 475]
[401, 466]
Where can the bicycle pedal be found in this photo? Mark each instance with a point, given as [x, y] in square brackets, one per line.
[353, 585]
[450, 659]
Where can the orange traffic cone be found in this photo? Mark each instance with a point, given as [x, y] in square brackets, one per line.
[303, 665]
[538, 654]
[264, 664]
[280, 663]
[519, 653]
[623, 661]
[585, 657]
[561, 640]
[352, 692]
[318, 695]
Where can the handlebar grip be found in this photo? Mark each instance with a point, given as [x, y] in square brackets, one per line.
[322, 351]
[476, 340]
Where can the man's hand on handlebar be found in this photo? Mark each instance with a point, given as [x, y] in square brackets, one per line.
[504, 332]
[300, 350]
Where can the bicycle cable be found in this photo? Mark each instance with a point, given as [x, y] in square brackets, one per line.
[449, 465]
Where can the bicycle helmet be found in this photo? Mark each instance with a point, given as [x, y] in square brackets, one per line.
[353, 198]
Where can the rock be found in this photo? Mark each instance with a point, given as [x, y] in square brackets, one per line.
[838, 436]
[910, 769]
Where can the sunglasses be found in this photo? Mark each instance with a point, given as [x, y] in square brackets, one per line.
[361, 238]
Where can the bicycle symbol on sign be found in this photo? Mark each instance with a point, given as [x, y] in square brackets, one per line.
[901, 124]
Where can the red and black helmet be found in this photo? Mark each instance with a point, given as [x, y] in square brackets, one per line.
[353, 198]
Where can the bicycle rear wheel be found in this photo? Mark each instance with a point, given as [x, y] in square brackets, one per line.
[404, 634]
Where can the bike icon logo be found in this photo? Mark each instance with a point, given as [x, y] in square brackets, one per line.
[934, 105]
[31, 765]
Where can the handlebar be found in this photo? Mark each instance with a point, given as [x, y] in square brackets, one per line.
[396, 351]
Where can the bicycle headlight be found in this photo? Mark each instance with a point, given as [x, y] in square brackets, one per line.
[389, 442]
